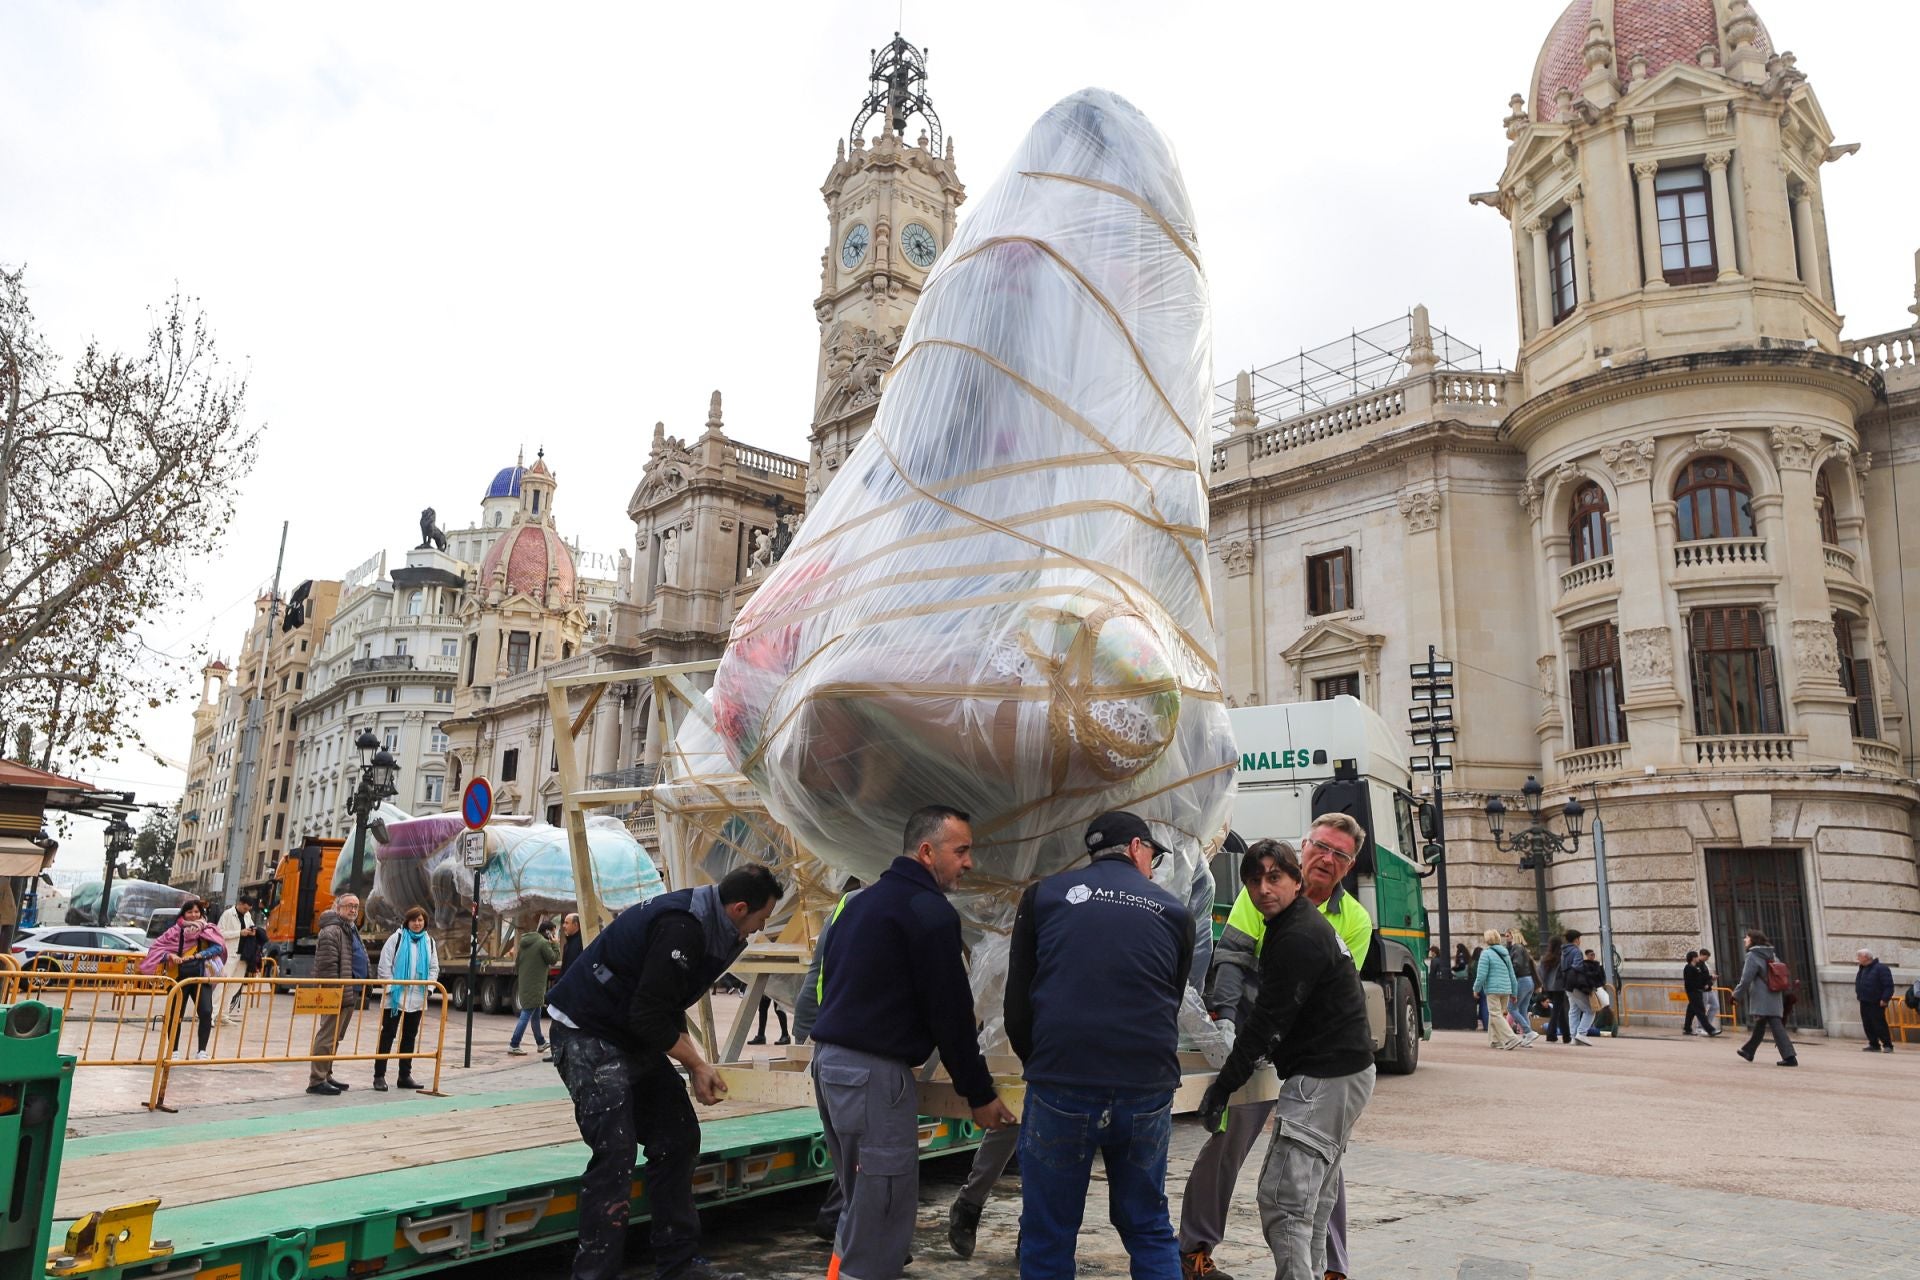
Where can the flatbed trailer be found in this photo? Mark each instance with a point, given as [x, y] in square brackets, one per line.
[404, 1185]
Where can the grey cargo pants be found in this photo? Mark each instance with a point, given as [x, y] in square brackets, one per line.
[870, 1111]
[1300, 1181]
[1209, 1194]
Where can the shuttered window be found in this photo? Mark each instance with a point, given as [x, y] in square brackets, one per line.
[1594, 688]
[1823, 504]
[1856, 677]
[1326, 687]
[1736, 687]
[1560, 266]
[1330, 582]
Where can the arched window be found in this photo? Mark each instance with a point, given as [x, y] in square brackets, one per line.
[1715, 501]
[416, 603]
[1587, 524]
[1823, 504]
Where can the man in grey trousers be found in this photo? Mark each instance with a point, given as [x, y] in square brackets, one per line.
[1310, 1020]
[892, 989]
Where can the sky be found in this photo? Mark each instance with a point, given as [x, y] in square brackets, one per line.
[432, 234]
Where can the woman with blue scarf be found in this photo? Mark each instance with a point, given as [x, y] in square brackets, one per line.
[409, 954]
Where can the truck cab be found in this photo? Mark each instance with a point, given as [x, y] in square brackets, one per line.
[297, 895]
[1298, 760]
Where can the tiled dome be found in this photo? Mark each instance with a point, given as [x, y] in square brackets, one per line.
[1661, 31]
[532, 553]
[506, 483]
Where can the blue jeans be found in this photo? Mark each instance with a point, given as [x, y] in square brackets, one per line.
[520, 1028]
[1059, 1133]
[1523, 1002]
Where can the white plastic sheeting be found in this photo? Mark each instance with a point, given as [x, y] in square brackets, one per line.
[1002, 603]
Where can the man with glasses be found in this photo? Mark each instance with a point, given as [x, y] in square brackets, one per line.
[1329, 852]
[1098, 960]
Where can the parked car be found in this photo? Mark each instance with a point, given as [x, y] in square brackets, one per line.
[58, 945]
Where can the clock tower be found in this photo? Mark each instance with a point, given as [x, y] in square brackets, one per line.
[890, 213]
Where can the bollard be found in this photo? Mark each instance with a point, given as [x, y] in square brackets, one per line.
[35, 1083]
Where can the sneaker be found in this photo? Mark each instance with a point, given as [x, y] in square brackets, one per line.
[516, 1051]
[1583, 1040]
[1872, 1048]
[1712, 1033]
[1787, 1062]
[1198, 1265]
[200, 1055]
[1886, 1048]
[1529, 1038]
[325, 1088]
[963, 1225]
[1512, 1044]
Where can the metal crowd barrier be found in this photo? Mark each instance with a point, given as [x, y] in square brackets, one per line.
[312, 1031]
[109, 1019]
[1903, 1023]
[1671, 1002]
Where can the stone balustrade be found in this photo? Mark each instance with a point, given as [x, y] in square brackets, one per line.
[1840, 560]
[1593, 761]
[1886, 351]
[1709, 552]
[779, 466]
[1476, 397]
[1877, 756]
[1745, 751]
[1586, 574]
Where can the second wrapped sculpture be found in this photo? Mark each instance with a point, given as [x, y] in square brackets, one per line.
[1002, 603]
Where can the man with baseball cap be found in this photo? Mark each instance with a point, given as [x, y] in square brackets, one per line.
[1087, 942]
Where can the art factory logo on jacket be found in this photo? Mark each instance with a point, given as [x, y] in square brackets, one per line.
[1079, 894]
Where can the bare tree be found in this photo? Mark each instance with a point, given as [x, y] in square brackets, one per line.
[115, 478]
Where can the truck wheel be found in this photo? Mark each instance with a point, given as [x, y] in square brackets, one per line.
[493, 995]
[457, 991]
[1403, 1048]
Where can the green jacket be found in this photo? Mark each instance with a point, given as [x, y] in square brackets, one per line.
[536, 956]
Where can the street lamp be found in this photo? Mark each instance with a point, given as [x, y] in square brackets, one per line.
[119, 840]
[377, 770]
[1537, 844]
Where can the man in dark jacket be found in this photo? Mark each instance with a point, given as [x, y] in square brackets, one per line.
[1873, 986]
[1697, 981]
[893, 987]
[1088, 941]
[619, 1025]
[571, 943]
[337, 953]
[1310, 1021]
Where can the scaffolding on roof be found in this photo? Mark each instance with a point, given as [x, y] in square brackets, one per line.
[1365, 360]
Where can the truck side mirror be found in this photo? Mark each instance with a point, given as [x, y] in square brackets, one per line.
[1429, 823]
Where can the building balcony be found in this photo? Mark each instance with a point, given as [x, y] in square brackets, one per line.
[1586, 574]
[1746, 751]
[1590, 762]
[368, 666]
[1841, 561]
[1712, 553]
[1878, 756]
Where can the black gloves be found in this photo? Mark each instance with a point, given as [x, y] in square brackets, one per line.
[1213, 1107]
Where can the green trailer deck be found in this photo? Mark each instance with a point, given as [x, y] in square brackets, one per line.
[399, 1185]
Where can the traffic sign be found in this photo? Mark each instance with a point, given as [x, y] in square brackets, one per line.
[476, 805]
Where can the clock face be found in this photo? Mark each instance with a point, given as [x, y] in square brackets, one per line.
[854, 247]
[919, 245]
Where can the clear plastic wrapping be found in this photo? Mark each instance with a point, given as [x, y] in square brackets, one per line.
[1002, 602]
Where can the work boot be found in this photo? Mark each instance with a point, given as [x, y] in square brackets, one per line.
[826, 1226]
[1198, 1265]
[963, 1225]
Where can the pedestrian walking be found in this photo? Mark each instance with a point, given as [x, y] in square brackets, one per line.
[1697, 980]
[1332, 845]
[893, 988]
[1873, 987]
[571, 943]
[1762, 992]
[1494, 981]
[760, 1036]
[1710, 998]
[190, 948]
[535, 954]
[409, 955]
[1462, 962]
[619, 1026]
[246, 938]
[1579, 988]
[1553, 989]
[1087, 941]
[337, 953]
[1310, 1020]
[1521, 959]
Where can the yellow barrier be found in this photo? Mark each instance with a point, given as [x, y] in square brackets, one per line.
[312, 1031]
[107, 1019]
[7, 963]
[1902, 1021]
[1670, 1003]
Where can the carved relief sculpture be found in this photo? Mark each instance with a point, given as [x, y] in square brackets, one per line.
[1238, 555]
[1549, 687]
[670, 558]
[1814, 650]
[1795, 447]
[1649, 654]
[1712, 440]
[1530, 496]
[1629, 460]
[1422, 510]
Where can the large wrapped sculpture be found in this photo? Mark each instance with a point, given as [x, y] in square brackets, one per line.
[1002, 602]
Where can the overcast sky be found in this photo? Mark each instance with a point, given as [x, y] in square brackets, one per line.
[432, 233]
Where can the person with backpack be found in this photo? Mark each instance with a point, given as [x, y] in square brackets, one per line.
[1762, 992]
[1579, 983]
[1494, 981]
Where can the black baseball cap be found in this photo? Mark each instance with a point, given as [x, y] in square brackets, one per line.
[1116, 830]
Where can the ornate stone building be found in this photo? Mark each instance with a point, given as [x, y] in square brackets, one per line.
[1664, 553]
[196, 852]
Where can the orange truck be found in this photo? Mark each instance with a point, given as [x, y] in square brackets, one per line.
[294, 897]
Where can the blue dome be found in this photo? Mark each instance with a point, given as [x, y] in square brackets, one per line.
[506, 484]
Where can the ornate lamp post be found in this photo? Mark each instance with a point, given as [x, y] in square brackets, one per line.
[1538, 844]
[377, 770]
[119, 840]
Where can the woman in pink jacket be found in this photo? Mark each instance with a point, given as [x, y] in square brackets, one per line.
[190, 948]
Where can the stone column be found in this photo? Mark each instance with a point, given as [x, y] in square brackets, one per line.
[1644, 172]
[1582, 291]
[1806, 239]
[1551, 728]
[606, 734]
[1542, 278]
[1647, 642]
[1807, 658]
[1725, 250]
